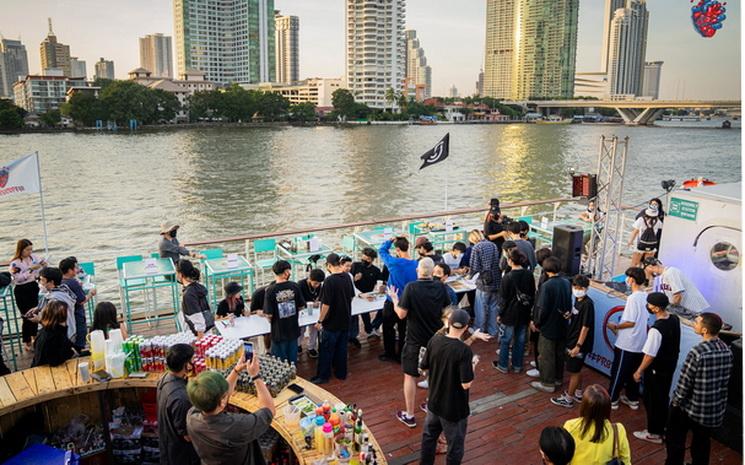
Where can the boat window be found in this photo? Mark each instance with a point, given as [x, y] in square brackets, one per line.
[725, 256]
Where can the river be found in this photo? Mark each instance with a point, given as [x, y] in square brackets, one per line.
[106, 194]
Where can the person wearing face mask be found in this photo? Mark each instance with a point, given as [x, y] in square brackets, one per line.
[173, 406]
[453, 258]
[579, 341]
[52, 289]
[227, 438]
[442, 273]
[366, 275]
[195, 311]
[170, 247]
[282, 302]
[660, 360]
[631, 334]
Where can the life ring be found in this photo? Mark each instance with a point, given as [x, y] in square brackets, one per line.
[698, 182]
[611, 312]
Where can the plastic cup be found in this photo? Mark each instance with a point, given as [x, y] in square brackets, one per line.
[83, 372]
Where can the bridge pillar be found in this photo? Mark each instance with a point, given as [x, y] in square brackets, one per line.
[629, 115]
[649, 116]
[639, 116]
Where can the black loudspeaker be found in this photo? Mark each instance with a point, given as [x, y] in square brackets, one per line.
[567, 247]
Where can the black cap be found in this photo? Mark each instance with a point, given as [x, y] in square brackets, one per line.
[658, 299]
[333, 259]
[459, 318]
[233, 288]
[651, 261]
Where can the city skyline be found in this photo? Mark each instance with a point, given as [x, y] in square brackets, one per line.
[694, 67]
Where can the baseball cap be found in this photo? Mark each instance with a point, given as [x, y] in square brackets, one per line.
[651, 261]
[420, 241]
[459, 318]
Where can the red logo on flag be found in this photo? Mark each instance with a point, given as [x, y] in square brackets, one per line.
[4, 174]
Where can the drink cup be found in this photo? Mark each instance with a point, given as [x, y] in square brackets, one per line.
[83, 372]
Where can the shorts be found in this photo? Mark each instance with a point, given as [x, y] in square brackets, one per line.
[646, 248]
[574, 364]
[410, 359]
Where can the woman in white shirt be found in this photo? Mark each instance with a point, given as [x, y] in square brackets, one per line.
[24, 269]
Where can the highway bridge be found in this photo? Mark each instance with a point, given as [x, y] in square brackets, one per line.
[634, 112]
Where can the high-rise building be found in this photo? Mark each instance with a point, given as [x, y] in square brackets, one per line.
[418, 73]
[13, 65]
[545, 50]
[500, 42]
[104, 69]
[77, 68]
[480, 84]
[453, 92]
[156, 55]
[39, 94]
[651, 80]
[627, 49]
[375, 50]
[286, 40]
[610, 10]
[229, 40]
[53, 53]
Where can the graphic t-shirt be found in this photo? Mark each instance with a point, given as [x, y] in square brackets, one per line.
[283, 301]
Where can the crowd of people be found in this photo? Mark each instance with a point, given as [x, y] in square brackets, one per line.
[428, 329]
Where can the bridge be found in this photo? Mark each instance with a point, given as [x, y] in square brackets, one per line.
[635, 112]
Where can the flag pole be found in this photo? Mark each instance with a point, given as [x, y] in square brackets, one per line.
[447, 181]
[41, 201]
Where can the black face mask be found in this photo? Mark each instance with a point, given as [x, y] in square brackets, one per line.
[173, 233]
[649, 309]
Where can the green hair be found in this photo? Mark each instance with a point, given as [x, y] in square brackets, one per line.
[206, 390]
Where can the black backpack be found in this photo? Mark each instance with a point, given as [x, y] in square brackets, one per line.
[648, 237]
[4, 279]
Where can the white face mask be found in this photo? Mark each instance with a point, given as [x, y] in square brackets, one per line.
[578, 293]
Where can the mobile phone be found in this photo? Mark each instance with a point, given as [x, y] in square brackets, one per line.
[295, 388]
[248, 351]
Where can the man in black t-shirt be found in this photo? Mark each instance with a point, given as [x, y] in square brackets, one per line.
[366, 275]
[311, 290]
[422, 304]
[336, 310]
[579, 341]
[494, 229]
[282, 302]
[451, 365]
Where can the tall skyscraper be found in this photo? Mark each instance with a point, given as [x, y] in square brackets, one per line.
[376, 49]
[500, 43]
[453, 92]
[156, 55]
[77, 68]
[545, 49]
[480, 84]
[627, 49]
[229, 40]
[418, 73]
[53, 53]
[13, 65]
[286, 39]
[651, 80]
[104, 69]
[610, 10]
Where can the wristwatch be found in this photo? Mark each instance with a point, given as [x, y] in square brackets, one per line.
[256, 378]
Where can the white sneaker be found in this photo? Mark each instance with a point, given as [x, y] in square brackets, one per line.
[578, 395]
[646, 436]
[533, 373]
[424, 384]
[633, 404]
[533, 364]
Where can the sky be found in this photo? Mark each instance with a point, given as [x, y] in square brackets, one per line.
[451, 33]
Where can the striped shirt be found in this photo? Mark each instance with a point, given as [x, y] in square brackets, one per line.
[485, 262]
[702, 388]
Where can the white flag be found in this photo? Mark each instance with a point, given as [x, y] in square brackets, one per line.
[20, 177]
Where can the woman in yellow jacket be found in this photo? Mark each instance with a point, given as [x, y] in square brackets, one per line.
[593, 431]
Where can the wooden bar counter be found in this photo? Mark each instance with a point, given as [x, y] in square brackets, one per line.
[34, 386]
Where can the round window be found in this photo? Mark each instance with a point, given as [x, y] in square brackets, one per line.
[725, 256]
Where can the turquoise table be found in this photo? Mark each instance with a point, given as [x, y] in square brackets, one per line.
[301, 255]
[11, 332]
[373, 238]
[442, 237]
[224, 269]
[148, 276]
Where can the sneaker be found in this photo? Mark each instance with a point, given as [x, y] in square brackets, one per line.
[373, 334]
[541, 387]
[387, 358]
[558, 383]
[424, 384]
[633, 404]
[313, 353]
[533, 364]
[647, 436]
[517, 370]
[614, 405]
[317, 380]
[563, 401]
[409, 421]
[500, 369]
[423, 407]
[533, 373]
[578, 395]
[355, 342]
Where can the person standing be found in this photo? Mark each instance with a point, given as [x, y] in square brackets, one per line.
[282, 302]
[366, 276]
[169, 246]
[53, 346]
[195, 308]
[310, 288]
[680, 291]
[700, 398]
[51, 289]
[24, 269]
[442, 273]
[68, 268]
[421, 305]
[631, 334]
[333, 322]
[227, 438]
[402, 271]
[658, 366]
[494, 229]
[514, 233]
[579, 341]
[173, 406]
[554, 308]
[485, 264]
[541, 255]
[451, 365]
[518, 293]
[646, 230]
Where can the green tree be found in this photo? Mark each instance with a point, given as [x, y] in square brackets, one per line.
[11, 116]
[102, 83]
[203, 105]
[272, 106]
[51, 118]
[343, 102]
[390, 96]
[84, 108]
[123, 101]
[236, 103]
[167, 106]
[302, 112]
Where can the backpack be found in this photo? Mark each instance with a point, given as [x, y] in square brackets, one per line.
[4, 279]
[648, 237]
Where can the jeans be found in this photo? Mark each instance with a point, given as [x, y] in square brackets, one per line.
[677, 429]
[286, 350]
[657, 398]
[374, 324]
[518, 347]
[390, 321]
[332, 354]
[455, 433]
[551, 360]
[622, 374]
[80, 328]
[486, 309]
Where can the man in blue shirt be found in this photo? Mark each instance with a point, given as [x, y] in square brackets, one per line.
[402, 271]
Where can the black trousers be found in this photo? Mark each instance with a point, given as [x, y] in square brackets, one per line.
[678, 426]
[622, 374]
[657, 398]
[390, 322]
[455, 433]
[27, 297]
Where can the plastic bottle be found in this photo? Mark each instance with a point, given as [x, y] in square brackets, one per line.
[328, 439]
[318, 434]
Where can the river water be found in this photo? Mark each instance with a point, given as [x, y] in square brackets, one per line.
[106, 194]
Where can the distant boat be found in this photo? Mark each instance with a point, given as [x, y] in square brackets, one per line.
[426, 120]
[726, 124]
[555, 119]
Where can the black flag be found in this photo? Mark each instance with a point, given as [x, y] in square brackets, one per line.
[438, 153]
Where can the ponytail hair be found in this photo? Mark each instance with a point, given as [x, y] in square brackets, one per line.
[187, 270]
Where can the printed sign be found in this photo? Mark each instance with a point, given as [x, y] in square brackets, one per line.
[686, 209]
